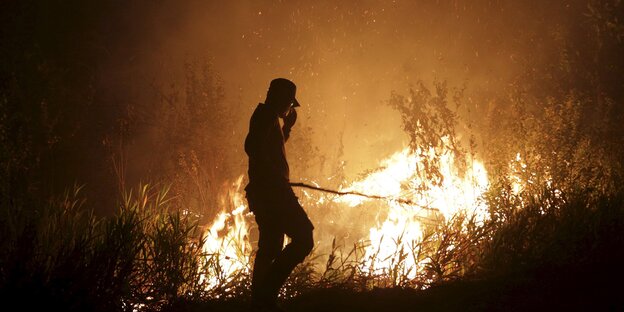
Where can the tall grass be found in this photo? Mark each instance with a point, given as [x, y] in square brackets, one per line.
[555, 231]
[148, 256]
[60, 255]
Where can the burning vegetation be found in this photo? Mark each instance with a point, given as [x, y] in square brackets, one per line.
[502, 185]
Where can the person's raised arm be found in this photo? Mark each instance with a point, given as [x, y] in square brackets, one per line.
[289, 122]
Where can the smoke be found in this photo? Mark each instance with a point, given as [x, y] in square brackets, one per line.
[345, 57]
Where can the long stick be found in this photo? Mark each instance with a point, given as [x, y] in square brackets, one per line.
[342, 193]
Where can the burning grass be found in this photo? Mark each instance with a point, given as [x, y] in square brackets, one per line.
[457, 222]
[517, 191]
[150, 257]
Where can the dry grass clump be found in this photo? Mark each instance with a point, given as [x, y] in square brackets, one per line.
[61, 255]
[149, 256]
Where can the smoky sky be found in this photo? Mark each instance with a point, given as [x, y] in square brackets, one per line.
[346, 57]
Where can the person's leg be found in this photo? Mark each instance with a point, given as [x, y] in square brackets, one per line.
[270, 243]
[299, 228]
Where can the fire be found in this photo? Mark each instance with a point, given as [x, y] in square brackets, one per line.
[403, 225]
[399, 227]
[227, 243]
[516, 167]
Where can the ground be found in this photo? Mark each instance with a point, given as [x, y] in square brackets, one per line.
[571, 290]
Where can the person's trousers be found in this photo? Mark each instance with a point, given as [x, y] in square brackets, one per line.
[276, 215]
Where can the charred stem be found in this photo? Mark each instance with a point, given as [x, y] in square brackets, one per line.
[342, 193]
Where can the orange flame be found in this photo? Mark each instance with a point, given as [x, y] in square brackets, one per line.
[227, 243]
[403, 225]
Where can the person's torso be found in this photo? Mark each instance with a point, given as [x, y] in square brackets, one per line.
[270, 164]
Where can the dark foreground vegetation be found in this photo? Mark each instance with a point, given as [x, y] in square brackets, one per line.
[564, 257]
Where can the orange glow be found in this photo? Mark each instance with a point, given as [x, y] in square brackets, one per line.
[404, 224]
[227, 243]
[398, 229]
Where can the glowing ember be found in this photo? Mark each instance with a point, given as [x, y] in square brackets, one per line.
[516, 169]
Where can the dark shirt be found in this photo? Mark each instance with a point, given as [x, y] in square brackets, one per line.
[264, 145]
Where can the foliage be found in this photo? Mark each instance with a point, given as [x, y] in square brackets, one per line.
[430, 125]
[67, 258]
[187, 129]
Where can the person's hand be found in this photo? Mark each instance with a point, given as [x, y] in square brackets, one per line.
[290, 119]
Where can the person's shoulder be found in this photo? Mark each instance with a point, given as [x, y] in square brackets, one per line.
[262, 112]
[261, 108]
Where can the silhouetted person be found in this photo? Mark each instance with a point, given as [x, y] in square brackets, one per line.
[271, 198]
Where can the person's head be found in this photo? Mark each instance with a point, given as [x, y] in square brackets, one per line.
[281, 96]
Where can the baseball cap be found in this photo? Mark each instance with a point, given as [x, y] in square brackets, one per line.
[285, 87]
